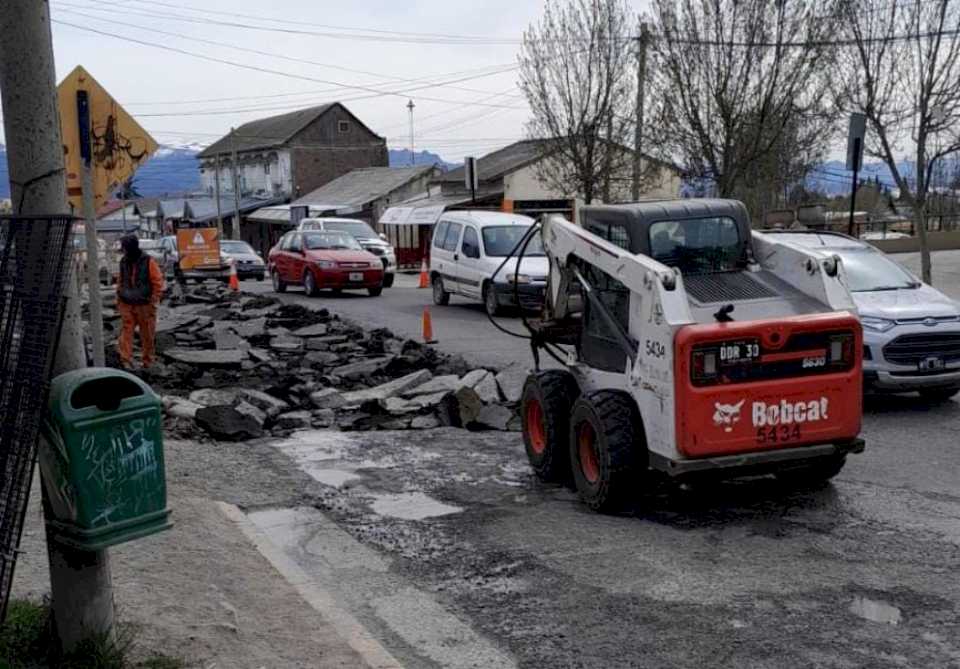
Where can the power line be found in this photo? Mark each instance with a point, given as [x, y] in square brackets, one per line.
[279, 56]
[310, 33]
[315, 25]
[255, 68]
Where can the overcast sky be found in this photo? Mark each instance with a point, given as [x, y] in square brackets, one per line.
[180, 98]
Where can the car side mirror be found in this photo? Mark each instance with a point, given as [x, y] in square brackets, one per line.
[471, 251]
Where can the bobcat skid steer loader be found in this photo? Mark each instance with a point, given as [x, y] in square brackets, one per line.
[696, 347]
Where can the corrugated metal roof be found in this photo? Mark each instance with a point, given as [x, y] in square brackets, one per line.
[502, 161]
[362, 186]
[268, 132]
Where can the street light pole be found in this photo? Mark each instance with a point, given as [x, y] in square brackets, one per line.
[641, 92]
[235, 226]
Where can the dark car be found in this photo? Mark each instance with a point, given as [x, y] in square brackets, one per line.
[318, 260]
[249, 264]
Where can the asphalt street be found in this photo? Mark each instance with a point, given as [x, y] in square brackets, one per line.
[462, 327]
[447, 548]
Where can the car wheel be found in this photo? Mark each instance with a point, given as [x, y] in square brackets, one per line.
[387, 280]
[260, 277]
[938, 395]
[440, 296]
[310, 284]
[375, 292]
[279, 285]
[490, 300]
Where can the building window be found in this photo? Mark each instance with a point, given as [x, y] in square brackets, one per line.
[343, 126]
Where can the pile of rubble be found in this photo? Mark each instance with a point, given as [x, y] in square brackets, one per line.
[239, 366]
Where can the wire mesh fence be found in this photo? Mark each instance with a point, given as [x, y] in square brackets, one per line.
[33, 269]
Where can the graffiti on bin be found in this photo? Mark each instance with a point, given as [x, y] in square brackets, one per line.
[123, 464]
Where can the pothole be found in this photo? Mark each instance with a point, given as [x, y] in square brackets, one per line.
[411, 506]
[876, 611]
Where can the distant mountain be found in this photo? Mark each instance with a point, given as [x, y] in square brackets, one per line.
[172, 169]
[175, 169]
[401, 158]
[832, 178]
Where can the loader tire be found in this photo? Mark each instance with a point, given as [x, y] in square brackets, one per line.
[545, 411]
[608, 451]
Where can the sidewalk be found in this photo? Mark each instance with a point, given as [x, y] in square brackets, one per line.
[203, 592]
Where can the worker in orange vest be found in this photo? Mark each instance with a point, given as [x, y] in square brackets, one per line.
[139, 288]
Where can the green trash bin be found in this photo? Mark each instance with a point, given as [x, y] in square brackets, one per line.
[102, 464]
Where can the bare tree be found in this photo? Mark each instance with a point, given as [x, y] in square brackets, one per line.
[739, 84]
[577, 73]
[904, 75]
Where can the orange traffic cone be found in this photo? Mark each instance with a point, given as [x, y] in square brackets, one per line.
[428, 327]
[424, 275]
[234, 281]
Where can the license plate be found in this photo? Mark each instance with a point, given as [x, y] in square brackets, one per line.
[356, 276]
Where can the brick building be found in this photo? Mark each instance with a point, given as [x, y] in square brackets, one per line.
[292, 154]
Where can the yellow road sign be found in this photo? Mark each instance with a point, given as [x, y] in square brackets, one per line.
[118, 145]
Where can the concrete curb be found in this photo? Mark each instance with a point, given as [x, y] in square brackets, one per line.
[348, 627]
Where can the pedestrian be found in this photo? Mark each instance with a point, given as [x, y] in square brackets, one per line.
[139, 288]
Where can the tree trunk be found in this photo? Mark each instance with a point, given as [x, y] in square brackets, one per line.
[920, 223]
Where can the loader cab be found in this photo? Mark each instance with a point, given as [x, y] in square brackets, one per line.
[698, 237]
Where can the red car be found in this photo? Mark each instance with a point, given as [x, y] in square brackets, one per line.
[317, 260]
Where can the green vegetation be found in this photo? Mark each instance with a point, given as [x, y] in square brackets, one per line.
[26, 642]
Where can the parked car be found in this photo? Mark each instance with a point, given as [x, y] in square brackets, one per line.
[107, 264]
[152, 248]
[170, 264]
[911, 330]
[369, 239]
[467, 249]
[317, 259]
[248, 262]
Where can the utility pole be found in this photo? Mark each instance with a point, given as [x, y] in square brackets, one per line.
[413, 158]
[90, 214]
[80, 581]
[216, 190]
[235, 227]
[123, 207]
[642, 42]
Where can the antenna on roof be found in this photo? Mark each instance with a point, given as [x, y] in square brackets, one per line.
[413, 158]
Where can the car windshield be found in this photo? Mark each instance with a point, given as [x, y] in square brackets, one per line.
[697, 245]
[233, 246]
[330, 240]
[500, 240]
[869, 270]
[356, 228]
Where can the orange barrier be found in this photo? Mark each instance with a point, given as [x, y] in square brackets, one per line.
[234, 281]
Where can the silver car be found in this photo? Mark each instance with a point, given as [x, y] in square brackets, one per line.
[911, 331]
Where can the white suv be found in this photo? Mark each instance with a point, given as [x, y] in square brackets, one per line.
[467, 249]
[365, 235]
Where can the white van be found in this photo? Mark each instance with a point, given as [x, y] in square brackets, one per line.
[469, 246]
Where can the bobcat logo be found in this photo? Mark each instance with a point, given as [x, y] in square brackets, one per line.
[727, 414]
